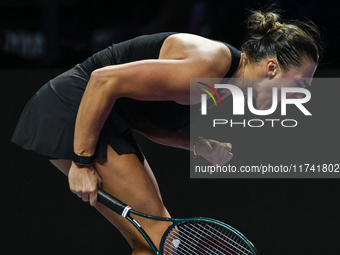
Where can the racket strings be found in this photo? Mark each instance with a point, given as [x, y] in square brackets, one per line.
[204, 246]
[218, 232]
[208, 243]
[200, 246]
[203, 238]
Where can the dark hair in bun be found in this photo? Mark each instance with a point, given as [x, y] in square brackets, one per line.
[260, 23]
[289, 42]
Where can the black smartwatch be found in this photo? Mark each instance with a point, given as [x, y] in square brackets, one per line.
[82, 160]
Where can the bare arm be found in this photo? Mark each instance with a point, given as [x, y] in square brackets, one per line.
[168, 137]
[167, 78]
[144, 80]
[213, 151]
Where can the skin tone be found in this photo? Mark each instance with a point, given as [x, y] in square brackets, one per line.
[182, 57]
[266, 70]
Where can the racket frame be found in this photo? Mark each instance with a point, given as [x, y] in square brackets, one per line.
[127, 210]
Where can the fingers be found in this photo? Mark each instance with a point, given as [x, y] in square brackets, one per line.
[224, 155]
[215, 152]
[228, 155]
[227, 146]
[94, 195]
[220, 153]
[93, 198]
[84, 182]
[86, 196]
[225, 158]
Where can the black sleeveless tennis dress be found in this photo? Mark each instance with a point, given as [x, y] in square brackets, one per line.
[48, 120]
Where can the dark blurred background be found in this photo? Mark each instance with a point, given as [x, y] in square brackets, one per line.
[40, 39]
[52, 33]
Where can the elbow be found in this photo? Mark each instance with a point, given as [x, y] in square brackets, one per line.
[96, 74]
[102, 82]
[98, 78]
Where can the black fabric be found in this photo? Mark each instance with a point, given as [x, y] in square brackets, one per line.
[47, 122]
[235, 60]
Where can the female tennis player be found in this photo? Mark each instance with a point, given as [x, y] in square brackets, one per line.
[82, 119]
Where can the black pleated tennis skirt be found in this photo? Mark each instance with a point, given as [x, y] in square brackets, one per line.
[47, 122]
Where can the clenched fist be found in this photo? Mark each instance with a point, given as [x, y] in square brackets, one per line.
[84, 182]
[215, 152]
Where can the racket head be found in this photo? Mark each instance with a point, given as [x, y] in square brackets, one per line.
[204, 236]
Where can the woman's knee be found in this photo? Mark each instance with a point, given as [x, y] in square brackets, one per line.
[155, 232]
[126, 178]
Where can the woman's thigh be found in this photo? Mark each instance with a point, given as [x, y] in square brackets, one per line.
[125, 177]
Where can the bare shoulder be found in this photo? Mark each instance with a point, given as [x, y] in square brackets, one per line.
[212, 55]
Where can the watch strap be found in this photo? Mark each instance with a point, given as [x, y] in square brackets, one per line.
[82, 160]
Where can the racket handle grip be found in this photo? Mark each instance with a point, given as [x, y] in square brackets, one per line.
[112, 203]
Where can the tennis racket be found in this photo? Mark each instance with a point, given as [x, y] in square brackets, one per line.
[192, 236]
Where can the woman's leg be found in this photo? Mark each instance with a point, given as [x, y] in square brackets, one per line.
[127, 179]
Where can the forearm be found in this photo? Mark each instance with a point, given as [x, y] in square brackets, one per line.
[173, 137]
[166, 79]
[94, 109]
